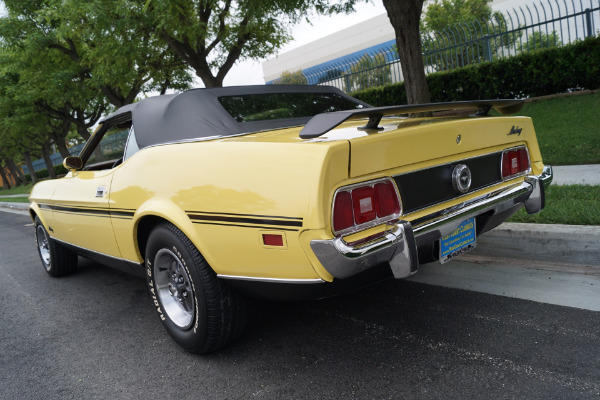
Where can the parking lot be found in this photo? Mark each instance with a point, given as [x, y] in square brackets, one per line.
[95, 335]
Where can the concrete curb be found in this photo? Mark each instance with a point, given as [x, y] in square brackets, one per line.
[574, 245]
[15, 206]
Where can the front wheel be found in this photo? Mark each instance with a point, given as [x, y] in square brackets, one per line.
[199, 311]
[56, 259]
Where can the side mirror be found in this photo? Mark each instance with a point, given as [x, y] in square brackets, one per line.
[72, 163]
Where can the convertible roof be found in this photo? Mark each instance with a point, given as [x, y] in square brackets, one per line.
[197, 113]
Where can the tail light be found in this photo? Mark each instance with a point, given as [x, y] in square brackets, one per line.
[366, 204]
[515, 162]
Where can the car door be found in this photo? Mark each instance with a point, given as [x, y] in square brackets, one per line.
[81, 199]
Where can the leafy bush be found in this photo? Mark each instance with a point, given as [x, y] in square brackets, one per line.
[43, 173]
[535, 73]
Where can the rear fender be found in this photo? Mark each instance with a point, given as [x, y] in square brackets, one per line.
[168, 211]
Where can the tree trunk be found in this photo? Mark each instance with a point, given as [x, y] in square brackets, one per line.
[14, 171]
[61, 146]
[405, 16]
[47, 160]
[27, 158]
[20, 172]
[5, 181]
[82, 130]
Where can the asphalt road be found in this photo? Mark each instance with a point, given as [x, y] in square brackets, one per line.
[95, 335]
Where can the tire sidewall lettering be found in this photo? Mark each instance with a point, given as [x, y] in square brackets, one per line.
[196, 313]
[152, 289]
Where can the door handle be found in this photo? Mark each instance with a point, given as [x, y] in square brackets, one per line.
[101, 191]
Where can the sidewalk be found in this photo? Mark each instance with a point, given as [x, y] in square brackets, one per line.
[577, 175]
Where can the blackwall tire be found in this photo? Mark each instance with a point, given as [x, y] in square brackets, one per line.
[199, 311]
[57, 260]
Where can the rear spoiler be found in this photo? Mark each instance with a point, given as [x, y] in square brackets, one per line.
[323, 123]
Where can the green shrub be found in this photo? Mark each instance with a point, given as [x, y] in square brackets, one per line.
[43, 173]
[535, 73]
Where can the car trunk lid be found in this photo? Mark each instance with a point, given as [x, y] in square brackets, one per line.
[420, 143]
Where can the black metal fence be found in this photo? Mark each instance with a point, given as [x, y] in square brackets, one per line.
[543, 24]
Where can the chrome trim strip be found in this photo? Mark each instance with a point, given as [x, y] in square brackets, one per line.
[455, 198]
[97, 252]
[206, 138]
[459, 213]
[202, 139]
[271, 280]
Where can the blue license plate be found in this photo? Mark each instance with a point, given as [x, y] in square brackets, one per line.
[458, 242]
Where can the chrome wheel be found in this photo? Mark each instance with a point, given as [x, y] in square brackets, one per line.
[174, 288]
[43, 246]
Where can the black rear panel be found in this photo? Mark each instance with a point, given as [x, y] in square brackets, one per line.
[431, 186]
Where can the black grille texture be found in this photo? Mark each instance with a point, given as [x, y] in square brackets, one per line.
[434, 185]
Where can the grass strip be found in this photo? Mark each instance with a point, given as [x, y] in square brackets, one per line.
[568, 128]
[15, 200]
[22, 189]
[569, 205]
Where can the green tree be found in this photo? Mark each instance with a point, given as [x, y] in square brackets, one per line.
[74, 60]
[292, 78]
[210, 36]
[462, 32]
[442, 14]
[369, 71]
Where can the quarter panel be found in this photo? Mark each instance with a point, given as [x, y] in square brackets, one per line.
[222, 194]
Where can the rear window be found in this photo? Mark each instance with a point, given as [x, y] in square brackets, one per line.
[271, 106]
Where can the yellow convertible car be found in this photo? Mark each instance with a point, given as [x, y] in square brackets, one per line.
[281, 192]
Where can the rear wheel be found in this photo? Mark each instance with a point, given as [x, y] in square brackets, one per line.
[199, 311]
[56, 259]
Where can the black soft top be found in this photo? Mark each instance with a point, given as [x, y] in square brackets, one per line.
[197, 113]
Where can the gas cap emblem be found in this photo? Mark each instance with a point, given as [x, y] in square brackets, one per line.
[461, 178]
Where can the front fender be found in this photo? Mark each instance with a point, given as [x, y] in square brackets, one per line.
[35, 210]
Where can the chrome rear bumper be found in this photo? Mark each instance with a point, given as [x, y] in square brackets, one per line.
[398, 246]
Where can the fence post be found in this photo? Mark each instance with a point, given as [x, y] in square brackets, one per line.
[488, 47]
[588, 22]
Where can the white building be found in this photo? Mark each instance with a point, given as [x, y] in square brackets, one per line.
[369, 36]
[371, 33]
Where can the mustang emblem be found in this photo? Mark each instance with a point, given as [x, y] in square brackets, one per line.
[461, 178]
[515, 131]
